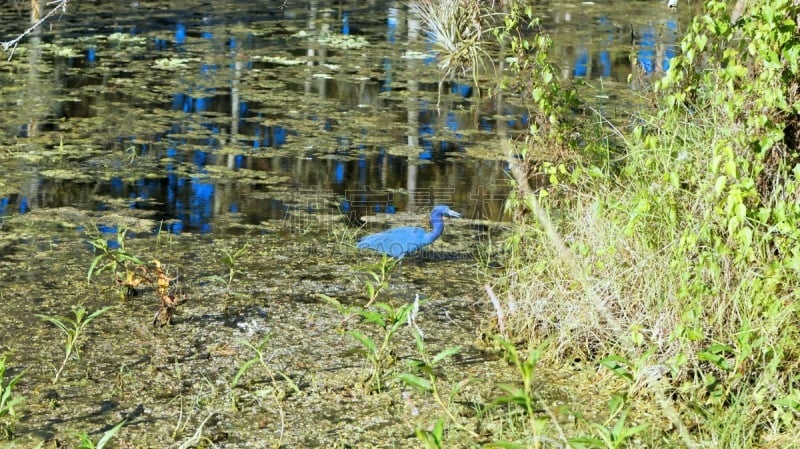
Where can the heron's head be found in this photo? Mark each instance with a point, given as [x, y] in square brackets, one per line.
[444, 211]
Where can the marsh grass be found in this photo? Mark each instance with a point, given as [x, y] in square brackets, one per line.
[644, 277]
[676, 267]
[197, 439]
[459, 30]
[185, 417]
[73, 330]
[383, 320]
[230, 261]
[379, 274]
[258, 357]
[278, 395]
[422, 375]
[8, 400]
[86, 442]
[433, 438]
[377, 345]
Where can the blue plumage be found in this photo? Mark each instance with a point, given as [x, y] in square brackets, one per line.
[400, 242]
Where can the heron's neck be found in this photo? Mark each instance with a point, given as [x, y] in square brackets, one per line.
[437, 225]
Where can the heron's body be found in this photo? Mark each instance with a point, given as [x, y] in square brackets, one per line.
[400, 242]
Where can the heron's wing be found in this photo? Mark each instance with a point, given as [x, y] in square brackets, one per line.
[396, 242]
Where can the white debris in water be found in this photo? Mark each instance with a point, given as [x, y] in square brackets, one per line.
[416, 55]
[252, 326]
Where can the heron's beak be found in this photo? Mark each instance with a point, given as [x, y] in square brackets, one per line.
[454, 214]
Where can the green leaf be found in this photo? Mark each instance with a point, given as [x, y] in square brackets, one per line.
[616, 402]
[586, 442]
[332, 301]
[716, 355]
[509, 349]
[55, 320]
[792, 401]
[416, 382]
[243, 369]
[364, 340]
[97, 313]
[700, 41]
[451, 351]
[515, 395]
[129, 258]
[109, 434]
[619, 366]
[92, 267]
[372, 317]
[505, 445]
[387, 309]
[634, 430]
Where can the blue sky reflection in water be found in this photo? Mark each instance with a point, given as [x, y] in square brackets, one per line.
[249, 111]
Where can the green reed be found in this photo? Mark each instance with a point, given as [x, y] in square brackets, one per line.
[73, 330]
[8, 400]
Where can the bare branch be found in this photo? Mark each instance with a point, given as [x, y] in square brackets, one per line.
[12, 44]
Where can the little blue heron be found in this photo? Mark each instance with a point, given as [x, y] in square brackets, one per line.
[400, 242]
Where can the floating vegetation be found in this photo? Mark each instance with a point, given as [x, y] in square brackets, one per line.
[489, 152]
[282, 60]
[171, 63]
[126, 38]
[343, 41]
[333, 40]
[63, 51]
[60, 173]
[247, 176]
[411, 54]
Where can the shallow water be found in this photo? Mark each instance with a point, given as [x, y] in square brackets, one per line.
[209, 126]
[233, 108]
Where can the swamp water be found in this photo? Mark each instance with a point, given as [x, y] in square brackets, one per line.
[223, 126]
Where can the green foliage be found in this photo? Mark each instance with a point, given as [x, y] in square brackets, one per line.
[380, 274]
[258, 349]
[73, 330]
[87, 443]
[536, 80]
[117, 260]
[386, 320]
[526, 366]
[682, 259]
[422, 376]
[434, 438]
[525, 398]
[613, 434]
[231, 262]
[8, 400]
[258, 360]
[460, 29]
[610, 436]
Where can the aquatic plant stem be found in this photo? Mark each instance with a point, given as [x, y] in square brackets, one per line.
[438, 398]
[72, 328]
